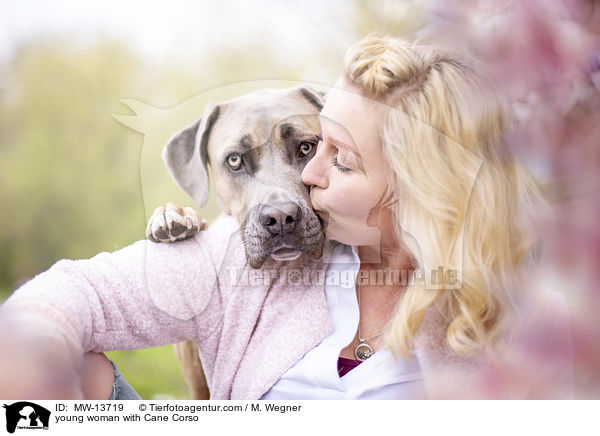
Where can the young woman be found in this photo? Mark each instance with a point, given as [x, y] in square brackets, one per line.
[424, 210]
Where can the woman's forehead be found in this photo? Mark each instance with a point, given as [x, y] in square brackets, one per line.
[353, 119]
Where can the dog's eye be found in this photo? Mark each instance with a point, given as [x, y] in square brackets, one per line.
[305, 148]
[234, 161]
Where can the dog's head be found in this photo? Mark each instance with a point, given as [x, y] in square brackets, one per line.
[256, 146]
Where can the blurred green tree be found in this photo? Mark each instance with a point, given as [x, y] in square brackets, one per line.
[68, 180]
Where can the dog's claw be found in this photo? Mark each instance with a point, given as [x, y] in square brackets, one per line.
[174, 223]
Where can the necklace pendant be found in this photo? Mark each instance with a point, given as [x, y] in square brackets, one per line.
[363, 351]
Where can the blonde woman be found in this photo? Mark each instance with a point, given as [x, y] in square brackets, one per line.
[430, 130]
[425, 212]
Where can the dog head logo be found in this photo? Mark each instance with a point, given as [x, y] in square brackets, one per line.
[26, 415]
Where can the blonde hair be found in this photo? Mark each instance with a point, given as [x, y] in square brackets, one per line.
[463, 198]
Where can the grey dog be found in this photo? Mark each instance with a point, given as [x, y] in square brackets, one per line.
[256, 147]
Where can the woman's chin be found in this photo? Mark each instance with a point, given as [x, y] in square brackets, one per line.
[367, 236]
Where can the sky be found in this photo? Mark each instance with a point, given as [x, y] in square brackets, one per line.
[177, 28]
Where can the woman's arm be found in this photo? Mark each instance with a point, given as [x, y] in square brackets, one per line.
[143, 295]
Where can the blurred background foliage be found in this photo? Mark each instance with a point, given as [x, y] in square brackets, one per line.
[68, 171]
[70, 182]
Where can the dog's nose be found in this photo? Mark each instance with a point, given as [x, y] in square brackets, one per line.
[279, 218]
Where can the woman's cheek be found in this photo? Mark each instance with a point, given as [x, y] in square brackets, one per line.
[349, 212]
[348, 198]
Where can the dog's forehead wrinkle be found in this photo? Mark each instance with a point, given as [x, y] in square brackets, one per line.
[287, 130]
[246, 142]
[272, 114]
[263, 125]
[299, 126]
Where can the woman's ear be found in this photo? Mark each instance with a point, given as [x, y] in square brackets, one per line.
[186, 155]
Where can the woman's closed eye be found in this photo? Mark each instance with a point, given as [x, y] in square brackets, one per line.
[340, 167]
[334, 160]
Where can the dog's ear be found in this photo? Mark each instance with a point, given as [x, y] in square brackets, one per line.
[316, 98]
[186, 155]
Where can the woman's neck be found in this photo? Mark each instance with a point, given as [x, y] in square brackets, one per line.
[385, 257]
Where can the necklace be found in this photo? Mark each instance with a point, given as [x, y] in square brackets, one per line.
[363, 350]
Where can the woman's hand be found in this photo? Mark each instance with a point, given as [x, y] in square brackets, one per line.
[174, 223]
[27, 372]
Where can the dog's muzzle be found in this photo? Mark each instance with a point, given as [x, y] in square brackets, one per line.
[283, 231]
[279, 220]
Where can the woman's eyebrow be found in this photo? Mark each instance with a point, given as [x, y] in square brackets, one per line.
[347, 148]
[341, 144]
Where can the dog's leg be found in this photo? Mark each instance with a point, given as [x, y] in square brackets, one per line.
[170, 224]
[191, 367]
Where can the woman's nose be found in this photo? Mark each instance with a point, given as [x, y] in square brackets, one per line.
[314, 171]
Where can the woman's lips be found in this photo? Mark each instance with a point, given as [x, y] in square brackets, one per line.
[321, 214]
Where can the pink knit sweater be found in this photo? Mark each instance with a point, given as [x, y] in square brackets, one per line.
[251, 326]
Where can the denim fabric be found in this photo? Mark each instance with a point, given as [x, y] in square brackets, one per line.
[122, 390]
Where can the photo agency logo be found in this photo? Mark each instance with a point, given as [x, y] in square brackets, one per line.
[26, 415]
[345, 277]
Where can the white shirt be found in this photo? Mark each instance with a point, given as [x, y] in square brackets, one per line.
[315, 376]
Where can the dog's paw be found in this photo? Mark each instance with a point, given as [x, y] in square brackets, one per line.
[174, 223]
